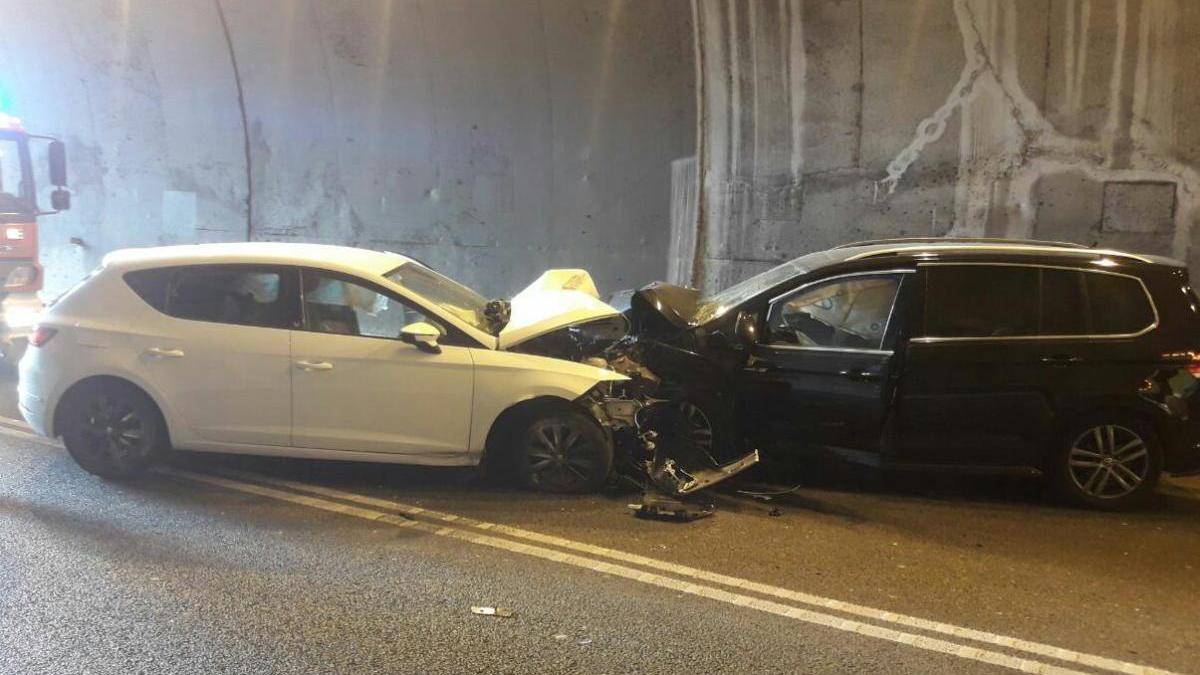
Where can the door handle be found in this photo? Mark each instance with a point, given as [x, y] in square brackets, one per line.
[1060, 359]
[160, 353]
[314, 365]
[859, 374]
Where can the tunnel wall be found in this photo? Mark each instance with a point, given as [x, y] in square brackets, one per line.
[702, 141]
[843, 120]
[489, 138]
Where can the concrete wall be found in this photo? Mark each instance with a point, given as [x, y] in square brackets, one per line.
[840, 120]
[490, 138]
[494, 138]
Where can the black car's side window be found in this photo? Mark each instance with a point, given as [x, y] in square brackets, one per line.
[246, 295]
[1001, 301]
[1117, 305]
[847, 313]
[337, 304]
[981, 301]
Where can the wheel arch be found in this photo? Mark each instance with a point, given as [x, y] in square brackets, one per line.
[1068, 420]
[511, 417]
[55, 429]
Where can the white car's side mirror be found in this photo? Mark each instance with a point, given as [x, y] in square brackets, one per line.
[422, 335]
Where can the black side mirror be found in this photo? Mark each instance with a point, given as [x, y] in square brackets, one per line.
[60, 200]
[57, 154]
[746, 328]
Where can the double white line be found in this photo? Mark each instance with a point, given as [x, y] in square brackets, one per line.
[934, 636]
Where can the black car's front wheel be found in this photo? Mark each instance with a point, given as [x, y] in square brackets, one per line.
[563, 451]
[1109, 462]
[112, 429]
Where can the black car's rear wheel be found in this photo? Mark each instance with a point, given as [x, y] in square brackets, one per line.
[112, 429]
[563, 451]
[1109, 462]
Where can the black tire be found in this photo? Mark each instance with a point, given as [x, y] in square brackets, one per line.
[112, 429]
[697, 424]
[562, 451]
[1109, 461]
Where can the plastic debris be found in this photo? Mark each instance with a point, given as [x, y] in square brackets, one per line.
[658, 506]
[502, 612]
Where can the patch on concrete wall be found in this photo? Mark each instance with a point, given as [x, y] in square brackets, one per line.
[178, 211]
[1138, 207]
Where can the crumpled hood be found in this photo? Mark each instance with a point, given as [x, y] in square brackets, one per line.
[559, 298]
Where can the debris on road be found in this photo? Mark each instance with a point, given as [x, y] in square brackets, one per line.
[502, 612]
[662, 507]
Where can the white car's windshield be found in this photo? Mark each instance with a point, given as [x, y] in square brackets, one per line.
[442, 291]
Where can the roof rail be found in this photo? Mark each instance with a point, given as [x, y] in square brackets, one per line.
[1007, 245]
[961, 240]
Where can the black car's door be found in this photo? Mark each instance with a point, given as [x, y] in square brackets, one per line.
[997, 352]
[822, 373]
[1004, 350]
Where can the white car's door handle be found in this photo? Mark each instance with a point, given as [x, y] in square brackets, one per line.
[160, 353]
[314, 365]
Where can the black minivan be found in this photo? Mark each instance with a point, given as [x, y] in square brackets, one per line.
[962, 354]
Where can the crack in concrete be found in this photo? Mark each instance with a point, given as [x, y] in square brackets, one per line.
[241, 97]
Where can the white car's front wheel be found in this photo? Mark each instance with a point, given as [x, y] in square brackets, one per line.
[112, 429]
[563, 451]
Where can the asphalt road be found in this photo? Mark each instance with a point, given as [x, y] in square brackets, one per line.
[226, 564]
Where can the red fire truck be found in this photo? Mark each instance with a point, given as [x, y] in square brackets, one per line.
[20, 272]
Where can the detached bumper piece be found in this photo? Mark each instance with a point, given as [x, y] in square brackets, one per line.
[660, 507]
[678, 481]
[672, 490]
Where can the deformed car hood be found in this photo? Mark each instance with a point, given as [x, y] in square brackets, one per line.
[559, 298]
[676, 304]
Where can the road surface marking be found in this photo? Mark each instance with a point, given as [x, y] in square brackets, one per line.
[951, 630]
[650, 578]
[790, 611]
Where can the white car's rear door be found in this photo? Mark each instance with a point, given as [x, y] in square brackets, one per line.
[221, 356]
[356, 387]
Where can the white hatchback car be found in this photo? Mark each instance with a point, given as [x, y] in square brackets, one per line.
[305, 350]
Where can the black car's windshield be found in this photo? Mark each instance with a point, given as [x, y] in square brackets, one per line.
[717, 304]
[442, 291]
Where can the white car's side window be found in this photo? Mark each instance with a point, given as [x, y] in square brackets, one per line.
[334, 304]
[244, 295]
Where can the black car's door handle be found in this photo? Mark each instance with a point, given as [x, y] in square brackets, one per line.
[859, 374]
[1060, 360]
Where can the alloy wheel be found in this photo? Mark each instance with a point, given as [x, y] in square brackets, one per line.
[112, 430]
[1109, 461]
[560, 455]
[697, 428]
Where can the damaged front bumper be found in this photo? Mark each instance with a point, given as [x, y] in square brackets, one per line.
[665, 461]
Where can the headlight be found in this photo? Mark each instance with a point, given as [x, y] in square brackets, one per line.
[21, 317]
[21, 276]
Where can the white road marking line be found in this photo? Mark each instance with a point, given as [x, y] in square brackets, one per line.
[960, 632]
[642, 576]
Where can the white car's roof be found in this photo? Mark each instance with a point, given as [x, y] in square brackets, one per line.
[266, 252]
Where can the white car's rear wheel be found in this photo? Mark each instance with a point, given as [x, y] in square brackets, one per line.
[112, 429]
[563, 451]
